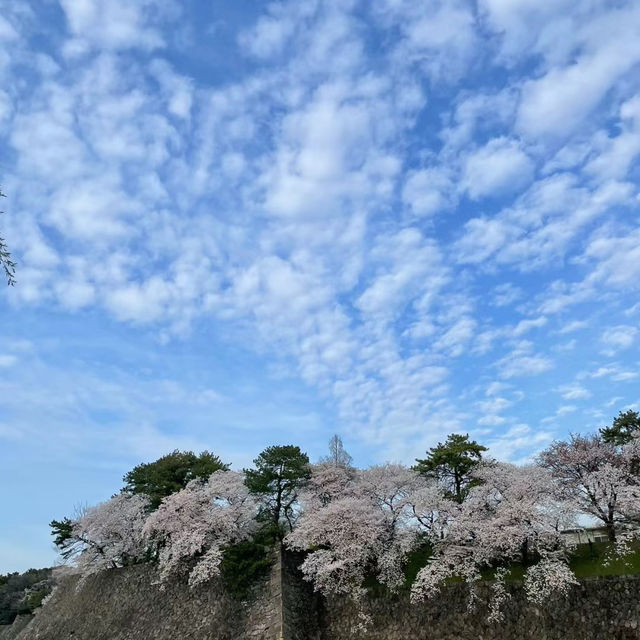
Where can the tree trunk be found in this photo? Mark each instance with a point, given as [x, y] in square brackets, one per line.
[457, 480]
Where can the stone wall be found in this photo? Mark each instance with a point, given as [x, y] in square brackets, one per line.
[10, 631]
[125, 605]
[301, 606]
[598, 609]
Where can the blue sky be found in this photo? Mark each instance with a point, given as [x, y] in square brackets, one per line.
[253, 223]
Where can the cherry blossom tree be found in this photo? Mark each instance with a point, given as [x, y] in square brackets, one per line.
[327, 483]
[368, 531]
[109, 535]
[628, 496]
[192, 527]
[548, 579]
[590, 474]
[389, 486]
[344, 540]
[432, 510]
[510, 515]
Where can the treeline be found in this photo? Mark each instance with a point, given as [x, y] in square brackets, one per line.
[22, 593]
[466, 513]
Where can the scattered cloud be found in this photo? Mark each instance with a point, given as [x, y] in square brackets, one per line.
[574, 391]
[400, 206]
[618, 338]
[498, 167]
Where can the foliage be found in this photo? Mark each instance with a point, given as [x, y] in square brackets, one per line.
[363, 532]
[548, 579]
[193, 526]
[109, 535]
[511, 514]
[338, 456]
[23, 592]
[453, 517]
[63, 538]
[326, 484]
[624, 427]
[452, 464]
[171, 473]
[7, 264]
[344, 539]
[585, 561]
[280, 473]
[242, 565]
[590, 474]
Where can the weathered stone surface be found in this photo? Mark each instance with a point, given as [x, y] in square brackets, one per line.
[301, 606]
[126, 605]
[9, 632]
[599, 609]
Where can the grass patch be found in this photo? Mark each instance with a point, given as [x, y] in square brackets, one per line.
[599, 559]
[416, 560]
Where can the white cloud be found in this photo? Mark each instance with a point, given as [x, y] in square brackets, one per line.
[428, 192]
[557, 103]
[574, 391]
[566, 409]
[327, 155]
[506, 294]
[616, 260]
[519, 443]
[524, 326]
[438, 36]
[529, 26]
[496, 404]
[542, 225]
[573, 325]
[414, 262]
[619, 337]
[269, 35]
[613, 371]
[618, 152]
[521, 362]
[113, 24]
[455, 339]
[501, 166]
[482, 238]
[273, 199]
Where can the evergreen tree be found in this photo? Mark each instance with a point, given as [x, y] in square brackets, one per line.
[280, 471]
[623, 429]
[171, 473]
[451, 464]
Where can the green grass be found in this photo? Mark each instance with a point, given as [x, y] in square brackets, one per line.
[600, 561]
[415, 561]
[586, 562]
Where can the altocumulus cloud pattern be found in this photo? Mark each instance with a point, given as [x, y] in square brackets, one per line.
[426, 211]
